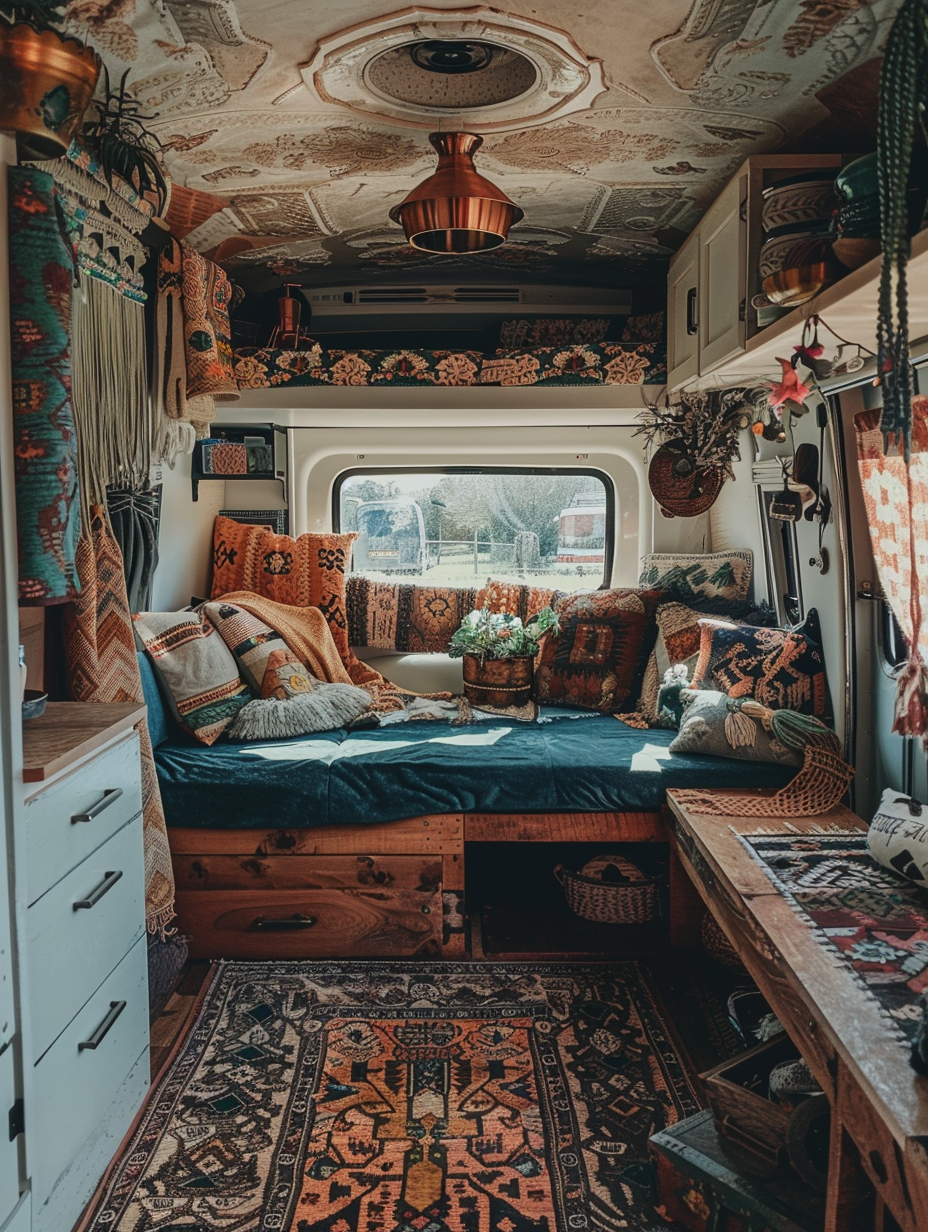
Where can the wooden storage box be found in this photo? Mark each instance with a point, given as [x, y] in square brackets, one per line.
[698, 1187]
[737, 1092]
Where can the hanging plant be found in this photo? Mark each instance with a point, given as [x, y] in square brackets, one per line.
[124, 147]
[47, 78]
[903, 98]
[696, 440]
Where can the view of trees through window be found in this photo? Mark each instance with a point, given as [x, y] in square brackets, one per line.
[458, 528]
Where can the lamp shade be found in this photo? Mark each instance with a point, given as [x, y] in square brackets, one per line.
[456, 209]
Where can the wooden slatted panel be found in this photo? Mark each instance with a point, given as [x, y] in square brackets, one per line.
[564, 828]
[417, 835]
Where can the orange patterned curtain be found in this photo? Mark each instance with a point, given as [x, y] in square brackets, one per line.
[896, 495]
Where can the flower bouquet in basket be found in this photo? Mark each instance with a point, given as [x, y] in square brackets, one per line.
[499, 654]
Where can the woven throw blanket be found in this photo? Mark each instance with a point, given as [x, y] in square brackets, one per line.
[207, 332]
[44, 438]
[404, 615]
[102, 667]
[307, 633]
[871, 919]
[178, 420]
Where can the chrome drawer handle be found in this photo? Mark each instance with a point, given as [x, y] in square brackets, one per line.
[290, 922]
[109, 880]
[116, 1008]
[109, 797]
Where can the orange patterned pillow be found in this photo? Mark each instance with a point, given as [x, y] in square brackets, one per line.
[305, 572]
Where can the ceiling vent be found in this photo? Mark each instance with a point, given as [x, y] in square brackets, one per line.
[440, 299]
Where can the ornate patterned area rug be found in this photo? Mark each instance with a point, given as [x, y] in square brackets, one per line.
[869, 917]
[400, 1097]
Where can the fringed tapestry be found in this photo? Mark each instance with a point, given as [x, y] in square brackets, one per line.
[896, 496]
[102, 667]
[110, 388]
[44, 438]
[207, 331]
[405, 615]
[179, 420]
[135, 519]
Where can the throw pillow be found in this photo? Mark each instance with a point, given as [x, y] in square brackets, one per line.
[552, 331]
[647, 327]
[326, 708]
[264, 659]
[197, 669]
[598, 659]
[691, 578]
[777, 667]
[716, 724]
[678, 640]
[898, 835]
[305, 572]
[516, 598]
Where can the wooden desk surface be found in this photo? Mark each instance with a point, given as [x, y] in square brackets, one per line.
[68, 731]
[840, 1030]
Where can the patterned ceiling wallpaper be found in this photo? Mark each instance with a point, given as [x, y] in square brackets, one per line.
[690, 91]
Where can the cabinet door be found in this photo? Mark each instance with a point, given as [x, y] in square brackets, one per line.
[683, 314]
[722, 286]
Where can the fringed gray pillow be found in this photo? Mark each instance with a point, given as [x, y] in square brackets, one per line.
[326, 708]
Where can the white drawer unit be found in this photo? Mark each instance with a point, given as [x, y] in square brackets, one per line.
[71, 817]
[77, 1080]
[82, 949]
[78, 931]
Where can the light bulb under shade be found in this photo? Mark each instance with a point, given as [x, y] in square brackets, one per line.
[456, 210]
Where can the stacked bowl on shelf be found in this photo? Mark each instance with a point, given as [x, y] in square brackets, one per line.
[797, 260]
[857, 220]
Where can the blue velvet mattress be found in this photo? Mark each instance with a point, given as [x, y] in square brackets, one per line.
[585, 765]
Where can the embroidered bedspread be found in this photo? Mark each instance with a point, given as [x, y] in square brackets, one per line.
[593, 363]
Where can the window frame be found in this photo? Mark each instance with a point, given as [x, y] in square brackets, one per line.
[591, 472]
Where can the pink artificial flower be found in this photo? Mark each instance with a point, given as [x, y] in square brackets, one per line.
[789, 389]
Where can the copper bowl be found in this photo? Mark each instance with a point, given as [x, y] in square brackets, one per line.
[791, 287]
[46, 82]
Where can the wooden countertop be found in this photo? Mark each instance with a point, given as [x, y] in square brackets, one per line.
[68, 731]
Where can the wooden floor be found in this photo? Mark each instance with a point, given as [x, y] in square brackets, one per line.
[170, 1023]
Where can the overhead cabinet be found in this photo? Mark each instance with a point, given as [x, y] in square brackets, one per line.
[714, 277]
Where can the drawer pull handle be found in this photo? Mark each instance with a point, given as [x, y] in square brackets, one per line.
[288, 923]
[109, 797]
[116, 1008]
[692, 320]
[109, 880]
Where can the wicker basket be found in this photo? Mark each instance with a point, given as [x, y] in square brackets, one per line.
[623, 896]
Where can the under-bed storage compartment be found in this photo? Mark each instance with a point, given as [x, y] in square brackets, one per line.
[328, 892]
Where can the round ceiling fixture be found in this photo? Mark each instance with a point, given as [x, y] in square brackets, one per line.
[456, 209]
[497, 70]
[450, 75]
[451, 56]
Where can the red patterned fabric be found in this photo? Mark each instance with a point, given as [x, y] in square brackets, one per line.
[896, 497]
[304, 572]
[598, 659]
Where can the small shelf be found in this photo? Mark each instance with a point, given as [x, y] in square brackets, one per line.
[235, 434]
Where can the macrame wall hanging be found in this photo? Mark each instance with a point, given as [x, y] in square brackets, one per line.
[892, 444]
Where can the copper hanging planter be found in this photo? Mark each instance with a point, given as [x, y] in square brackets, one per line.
[456, 209]
[46, 83]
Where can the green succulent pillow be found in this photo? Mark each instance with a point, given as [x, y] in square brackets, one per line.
[725, 726]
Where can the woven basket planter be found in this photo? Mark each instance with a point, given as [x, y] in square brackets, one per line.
[498, 682]
[635, 899]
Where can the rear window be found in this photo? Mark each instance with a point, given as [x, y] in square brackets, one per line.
[457, 527]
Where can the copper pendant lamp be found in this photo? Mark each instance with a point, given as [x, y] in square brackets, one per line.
[456, 209]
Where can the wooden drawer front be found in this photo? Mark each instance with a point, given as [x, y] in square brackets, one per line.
[70, 949]
[73, 1087]
[340, 872]
[346, 923]
[54, 842]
